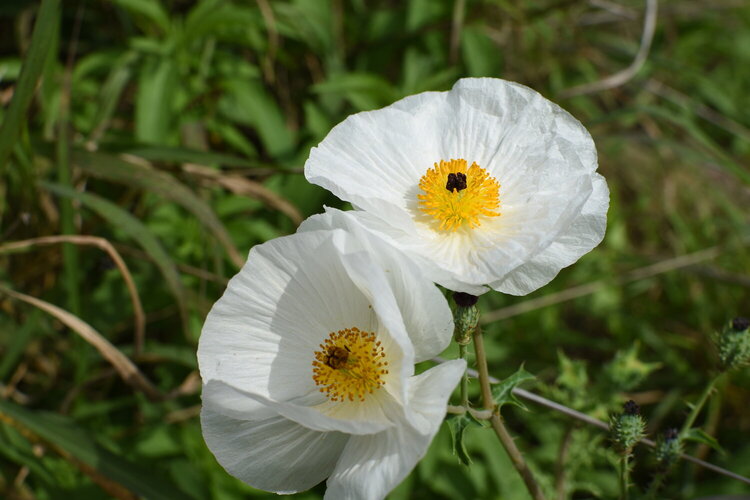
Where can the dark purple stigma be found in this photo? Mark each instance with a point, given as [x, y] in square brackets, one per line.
[739, 324]
[464, 299]
[631, 408]
[456, 181]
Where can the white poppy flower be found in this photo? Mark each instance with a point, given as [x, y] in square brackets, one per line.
[486, 184]
[308, 367]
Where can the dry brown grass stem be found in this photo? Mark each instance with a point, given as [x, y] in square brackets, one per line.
[621, 77]
[103, 244]
[246, 187]
[587, 289]
[185, 268]
[125, 368]
[273, 40]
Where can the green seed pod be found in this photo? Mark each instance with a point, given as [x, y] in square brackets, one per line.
[465, 318]
[733, 344]
[668, 449]
[626, 428]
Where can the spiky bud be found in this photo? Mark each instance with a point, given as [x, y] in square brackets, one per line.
[733, 344]
[465, 317]
[626, 428]
[668, 449]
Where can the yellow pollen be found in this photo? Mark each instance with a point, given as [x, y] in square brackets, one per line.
[349, 365]
[455, 195]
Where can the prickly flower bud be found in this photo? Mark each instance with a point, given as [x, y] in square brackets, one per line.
[466, 317]
[733, 344]
[668, 449]
[626, 428]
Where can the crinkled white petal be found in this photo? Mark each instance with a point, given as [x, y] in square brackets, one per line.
[269, 451]
[585, 233]
[371, 466]
[426, 314]
[542, 157]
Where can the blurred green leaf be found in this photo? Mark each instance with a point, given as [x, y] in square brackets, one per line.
[154, 103]
[363, 90]
[131, 226]
[64, 435]
[161, 183]
[42, 40]
[152, 10]
[248, 103]
[183, 155]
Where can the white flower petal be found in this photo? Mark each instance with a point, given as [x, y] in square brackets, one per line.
[585, 233]
[426, 314]
[543, 158]
[371, 466]
[270, 452]
[239, 404]
[261, 334]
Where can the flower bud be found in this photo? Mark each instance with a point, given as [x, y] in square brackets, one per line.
[466, 317]
[626, 428]
[668, 449]
[733, 344]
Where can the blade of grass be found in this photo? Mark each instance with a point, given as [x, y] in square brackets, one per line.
[139, 232]
[116, 475]
[67, 213]
[140, 317]
[119, 170]
[127, 370]
[43, 37]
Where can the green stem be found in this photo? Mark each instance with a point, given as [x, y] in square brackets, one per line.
[655, 485]
[465, 379]
[624, 476]
[699, 405]
[497, 421]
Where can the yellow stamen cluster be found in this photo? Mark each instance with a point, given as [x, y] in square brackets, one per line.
[349, 365]
[453, 200]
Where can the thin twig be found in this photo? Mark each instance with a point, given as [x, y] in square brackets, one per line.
[541, 401]
[497, 421]
[139, 315]
[269, 21]
[589, 288]
[621, 77]
[459, 10]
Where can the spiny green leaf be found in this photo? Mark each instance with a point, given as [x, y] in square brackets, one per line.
[502, 393]
[700, 436]
[458, 424]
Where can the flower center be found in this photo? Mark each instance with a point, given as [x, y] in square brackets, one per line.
[349, 365]
[455, 195]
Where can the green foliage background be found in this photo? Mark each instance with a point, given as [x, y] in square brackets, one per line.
[177, 131]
